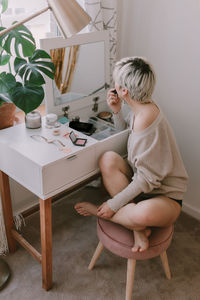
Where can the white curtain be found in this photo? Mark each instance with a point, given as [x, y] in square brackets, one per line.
[104, 17]
[18, 222]
[3, 238]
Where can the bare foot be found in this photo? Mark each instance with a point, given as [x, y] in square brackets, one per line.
[141, 240]
[86, 209]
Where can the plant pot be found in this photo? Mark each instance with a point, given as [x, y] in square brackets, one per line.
[7, 115]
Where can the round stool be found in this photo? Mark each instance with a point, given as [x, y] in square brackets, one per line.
[119, 240]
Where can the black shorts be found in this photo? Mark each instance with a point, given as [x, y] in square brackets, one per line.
[143, 196]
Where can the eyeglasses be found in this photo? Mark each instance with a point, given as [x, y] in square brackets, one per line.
[56, 142]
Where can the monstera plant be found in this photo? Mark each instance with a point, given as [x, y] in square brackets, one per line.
[22, 81]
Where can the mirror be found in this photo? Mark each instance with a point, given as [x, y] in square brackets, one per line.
[72, 82]
[82, 71]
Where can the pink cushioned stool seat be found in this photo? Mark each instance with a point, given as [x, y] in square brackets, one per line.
[120, 240]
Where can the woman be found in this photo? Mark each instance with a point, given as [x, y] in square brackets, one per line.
[147, 189]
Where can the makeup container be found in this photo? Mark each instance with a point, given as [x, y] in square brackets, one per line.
[56, 131]
[51, 119]
[77, 141]
[105, 115]
[33, 120]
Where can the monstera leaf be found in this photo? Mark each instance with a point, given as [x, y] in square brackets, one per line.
[32, 69]
[27, 97]
[3, 5]
[7, 83]
[20, 38]
[4, 59]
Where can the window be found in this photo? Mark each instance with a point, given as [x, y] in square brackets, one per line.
[41, 26]
[21, 9]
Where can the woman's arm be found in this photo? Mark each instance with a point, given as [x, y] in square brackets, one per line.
[151, 156]
[114, 102]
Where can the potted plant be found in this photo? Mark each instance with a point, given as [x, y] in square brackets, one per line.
[22, 83]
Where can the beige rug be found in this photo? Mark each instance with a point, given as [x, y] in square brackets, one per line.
[74, 241]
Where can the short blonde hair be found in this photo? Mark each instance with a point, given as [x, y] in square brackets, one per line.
[137, 76]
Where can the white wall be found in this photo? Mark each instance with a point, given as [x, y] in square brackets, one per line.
[167, 33]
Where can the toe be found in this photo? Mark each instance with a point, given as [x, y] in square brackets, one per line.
[142, 250]
[79, 204]
[135, 249]
[148, 232]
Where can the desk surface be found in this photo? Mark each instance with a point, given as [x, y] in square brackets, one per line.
[36, 149]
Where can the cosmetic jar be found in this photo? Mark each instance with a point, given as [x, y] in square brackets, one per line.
[33, 120]
[51, 119]
[56, 131]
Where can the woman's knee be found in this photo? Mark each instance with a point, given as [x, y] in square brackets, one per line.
[108, 161]
[137, 216]
[153, 213]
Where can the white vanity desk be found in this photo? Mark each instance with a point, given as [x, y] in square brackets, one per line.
[47, 169]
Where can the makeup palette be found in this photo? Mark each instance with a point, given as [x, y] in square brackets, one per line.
[77, 141]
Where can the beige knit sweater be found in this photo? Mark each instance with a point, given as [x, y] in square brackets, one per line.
[156, 161]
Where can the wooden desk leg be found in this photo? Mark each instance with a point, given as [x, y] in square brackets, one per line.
[46, 242]
[7, 210]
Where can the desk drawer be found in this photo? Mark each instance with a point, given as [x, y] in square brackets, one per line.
[67, 170]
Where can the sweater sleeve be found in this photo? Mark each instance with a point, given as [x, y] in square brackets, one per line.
[152, 159]
[125, 196]
[119, 121]
[123, 119]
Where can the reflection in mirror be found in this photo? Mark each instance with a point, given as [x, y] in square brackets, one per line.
[71, 63]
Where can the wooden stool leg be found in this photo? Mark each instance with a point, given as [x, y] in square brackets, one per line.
[165, 264]
[130, 278]
[96, 255]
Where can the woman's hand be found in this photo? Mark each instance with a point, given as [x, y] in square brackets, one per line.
[113, 101]
[104, 211]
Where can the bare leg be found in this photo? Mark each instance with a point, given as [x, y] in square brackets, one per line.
[116, 175]
[86, 209]
[159, 211]
[141, 241]
[141, 234]
[116, 172]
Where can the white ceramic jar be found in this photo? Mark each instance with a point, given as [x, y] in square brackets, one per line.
[33, 119]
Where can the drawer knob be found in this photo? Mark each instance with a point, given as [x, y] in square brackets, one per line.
[72, 157]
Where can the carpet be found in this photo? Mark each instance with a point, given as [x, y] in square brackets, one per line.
[74, 241]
